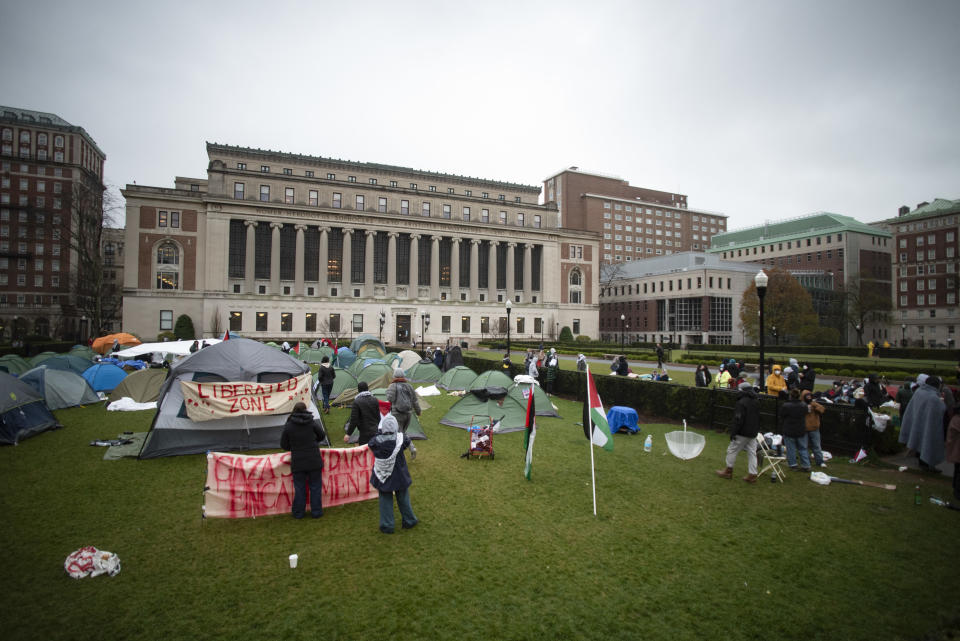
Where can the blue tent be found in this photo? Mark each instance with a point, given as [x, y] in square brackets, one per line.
[103, 377]
[345, 357]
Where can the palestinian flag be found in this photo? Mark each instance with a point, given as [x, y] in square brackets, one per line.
[226, 335]
[530, 434]
[296, 348]
[595, 426]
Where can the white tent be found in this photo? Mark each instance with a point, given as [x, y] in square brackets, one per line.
[177, 348]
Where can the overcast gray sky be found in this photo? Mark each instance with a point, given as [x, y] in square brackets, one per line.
[756, 109]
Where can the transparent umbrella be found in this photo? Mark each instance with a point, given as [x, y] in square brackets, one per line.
[685, 445]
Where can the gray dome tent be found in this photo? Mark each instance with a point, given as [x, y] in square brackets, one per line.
[60, 388]
[238, 359]
[22, 411]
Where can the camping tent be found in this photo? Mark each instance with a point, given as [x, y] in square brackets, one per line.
[345, 357]
[458, 378]
[13, 364]
[60, 388]
[483, 405]
[37, 359]
[104, 344]
[311, 355]
[366, 342]
[343, 381]
[518, 390]
[491, 378]
[176, 348]
[83, 352]
[142, 386]
[22, 411]
[453, 358]
[361, 363]
[408, 358]
[238, 359]
[374, 371]
[103, 377]
[423, 372]
[68, 363]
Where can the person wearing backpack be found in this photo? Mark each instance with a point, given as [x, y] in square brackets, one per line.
[325, 376]
[403, 400]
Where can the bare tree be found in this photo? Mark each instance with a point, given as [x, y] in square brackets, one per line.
[609, 272]
[92, 208]
[867, 300]
[332, 331]
[216, 324]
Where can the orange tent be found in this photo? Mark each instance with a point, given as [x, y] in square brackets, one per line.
[103, 344]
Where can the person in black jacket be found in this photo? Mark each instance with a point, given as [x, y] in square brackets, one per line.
[364, 415]
[873, 392]
[623, 369]
[659, 356]
[390, 474]
[301, 437]
[793, 419]
[808, 377]
[325, 376]
[702, 376]
[743, 433]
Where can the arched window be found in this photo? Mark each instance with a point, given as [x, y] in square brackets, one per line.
[576, 286]
[168, 266]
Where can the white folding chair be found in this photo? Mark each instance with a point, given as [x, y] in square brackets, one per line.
[770, 460]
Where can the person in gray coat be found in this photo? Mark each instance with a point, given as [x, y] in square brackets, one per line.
[403, 400]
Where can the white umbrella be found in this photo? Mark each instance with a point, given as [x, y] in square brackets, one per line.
[685, 445]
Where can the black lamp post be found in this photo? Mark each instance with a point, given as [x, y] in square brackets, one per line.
[760, 280]
[859, 328]
[903, 335]
[424, 324]
[622, 320]
[541, 331]
[509, 307]
[776, 336]
[383, 320]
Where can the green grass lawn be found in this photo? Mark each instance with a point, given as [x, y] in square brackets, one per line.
[674, 553]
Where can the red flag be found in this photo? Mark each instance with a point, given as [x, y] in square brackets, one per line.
[296, 348]
[226, 335]
[530, 435]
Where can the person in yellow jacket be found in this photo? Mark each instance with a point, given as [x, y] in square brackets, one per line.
[723, 377]
[776, 383]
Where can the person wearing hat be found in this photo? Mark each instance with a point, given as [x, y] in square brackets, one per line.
[390, 474]
[776, 383]
[743, 433]
[302, 436]
[921, 428]
[812, 424]
[403, 400]
[364, 415]
[723, 376]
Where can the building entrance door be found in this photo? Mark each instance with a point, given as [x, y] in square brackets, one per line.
[403, 328]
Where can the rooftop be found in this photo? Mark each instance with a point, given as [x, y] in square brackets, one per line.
[213, 147]
[792, 229]
[938, 207]
[41, 119]
[679, 263]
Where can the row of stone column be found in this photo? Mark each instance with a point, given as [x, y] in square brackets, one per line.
[391, 286]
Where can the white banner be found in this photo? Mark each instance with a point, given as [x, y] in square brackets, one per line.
[209, 401]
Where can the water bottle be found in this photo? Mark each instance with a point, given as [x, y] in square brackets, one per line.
[773, 476]
[938, 501]
[917, 496]
[648, 443]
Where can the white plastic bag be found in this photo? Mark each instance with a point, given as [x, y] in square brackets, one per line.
[820, 478]
[878, 421]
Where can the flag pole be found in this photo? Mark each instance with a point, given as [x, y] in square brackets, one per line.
[593, 476]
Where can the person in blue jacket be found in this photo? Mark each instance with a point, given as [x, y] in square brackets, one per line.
[390, 474]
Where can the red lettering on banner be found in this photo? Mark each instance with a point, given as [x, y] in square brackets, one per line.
[200, 391]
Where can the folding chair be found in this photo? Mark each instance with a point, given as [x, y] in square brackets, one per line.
[770, 460]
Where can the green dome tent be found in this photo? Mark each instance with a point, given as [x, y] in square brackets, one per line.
[408, 358]
[374, 371]
[60, 388]
[83, 352]
[543, 405]
[343, 381]
[423, 372]
[366, 342]
[13, 364]
[143, 386]
[491, 378]
[37, 359]
[483, 405]
[458, 378]
[311, 355]
[68, 363]
[361, 363]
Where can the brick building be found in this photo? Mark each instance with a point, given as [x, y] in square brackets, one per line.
[49, 170]
[634, 223]
[280, 245]
[828, 254]
[925, 262]
[685, 298]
